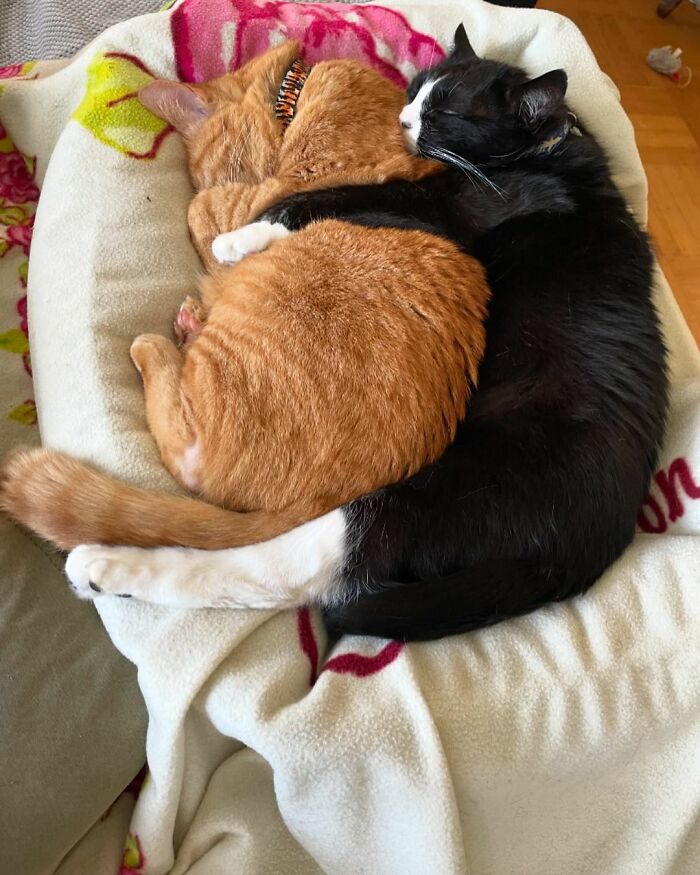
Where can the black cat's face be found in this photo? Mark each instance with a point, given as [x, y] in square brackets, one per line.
[482, 112]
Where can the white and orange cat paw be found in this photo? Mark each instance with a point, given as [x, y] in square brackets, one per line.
[233, 246]
[83, 564]
[94, 570]
[171, 576]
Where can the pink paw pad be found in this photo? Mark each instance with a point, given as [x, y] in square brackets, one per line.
[189, 321]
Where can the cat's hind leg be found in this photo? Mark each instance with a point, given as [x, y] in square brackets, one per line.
[301, 566]
[160, 362]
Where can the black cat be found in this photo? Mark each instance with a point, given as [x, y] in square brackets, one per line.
[539, 492]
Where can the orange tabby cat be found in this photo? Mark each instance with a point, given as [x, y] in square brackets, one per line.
[335, 362]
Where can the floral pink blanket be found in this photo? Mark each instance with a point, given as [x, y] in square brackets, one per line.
[18, 199]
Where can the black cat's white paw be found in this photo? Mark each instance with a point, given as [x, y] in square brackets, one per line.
[93, 570]
[233, 246]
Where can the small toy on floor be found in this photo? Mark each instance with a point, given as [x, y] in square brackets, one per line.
[668, 61]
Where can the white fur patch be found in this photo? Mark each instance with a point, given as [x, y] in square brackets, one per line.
[297, 568]
[233, 246]
[189, 467]
[410, 116]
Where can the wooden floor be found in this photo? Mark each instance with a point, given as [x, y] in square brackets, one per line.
[666, 119]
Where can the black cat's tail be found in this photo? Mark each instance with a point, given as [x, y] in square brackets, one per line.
[478, 596]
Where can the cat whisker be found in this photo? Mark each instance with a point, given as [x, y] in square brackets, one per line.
[236, 156]
[249, 133]
[230, 171]
[446, 158]
[507, 154]
[226, 141]
[471, 170]
[476, 171]
[439, 154]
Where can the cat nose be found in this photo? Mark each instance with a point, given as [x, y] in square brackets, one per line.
[406, 125]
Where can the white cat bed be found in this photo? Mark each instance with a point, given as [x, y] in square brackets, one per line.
[566, 741]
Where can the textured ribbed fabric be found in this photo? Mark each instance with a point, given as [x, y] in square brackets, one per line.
[32, 29]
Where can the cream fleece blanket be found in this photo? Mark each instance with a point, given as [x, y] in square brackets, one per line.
[563, 742]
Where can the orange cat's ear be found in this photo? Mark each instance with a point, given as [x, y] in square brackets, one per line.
[182, 105]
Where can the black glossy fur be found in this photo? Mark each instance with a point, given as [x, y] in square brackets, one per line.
[539, 492]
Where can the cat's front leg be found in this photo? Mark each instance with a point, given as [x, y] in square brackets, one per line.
[215, 211]
[233, 246]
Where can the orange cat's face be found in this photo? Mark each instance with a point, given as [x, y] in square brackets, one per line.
[346, 120]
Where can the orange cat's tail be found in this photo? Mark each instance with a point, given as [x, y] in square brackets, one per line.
[70, 503]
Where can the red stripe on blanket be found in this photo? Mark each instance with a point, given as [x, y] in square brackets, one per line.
[362, 666]
[118, 100]
[153, 151]
[358, 664]
[307, 642]
[137, 62]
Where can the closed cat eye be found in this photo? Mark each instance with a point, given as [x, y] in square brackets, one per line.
[430, 112]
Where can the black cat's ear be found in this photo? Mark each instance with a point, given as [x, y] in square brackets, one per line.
[536, 100]
[463, 50]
